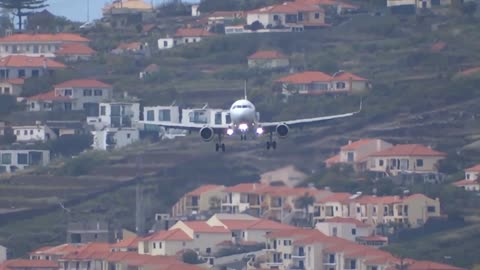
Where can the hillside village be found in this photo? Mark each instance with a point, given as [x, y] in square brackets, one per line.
[82, 104]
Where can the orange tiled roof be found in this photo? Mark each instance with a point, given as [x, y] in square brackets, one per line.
[151, 68]
[75, 49]
[345, 76]
[475, 168]
[129, 46]
[148, 27]
[329, 3]
[356, 144]
[16, 81]
[131, 242]
[170, 235]
[226, 14]
[378, 200]
[60, 37]
[192, 32]
[29, 61]
[287, 7]
[332, 160]
[357, 222]
[48, 96]
[465, 182]
[245, 188]
[409, 150]
[203, 227]
[374, 238]
[293, 233]
[470, 71]
[268, 55]
[25, 264]
[439, 46]
[306, 77]
[56, 250]
[255, 224]
[83, 83]
[205, 188]
[129, 4]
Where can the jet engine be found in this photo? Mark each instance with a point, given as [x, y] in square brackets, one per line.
[282, 130]
[207, 133]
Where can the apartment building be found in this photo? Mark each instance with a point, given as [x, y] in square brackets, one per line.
[33, 133]
[413, 210]
[13, 160]
[23, 67]
[116, 114]
[356, 153]
[472, 179]
[203, 198]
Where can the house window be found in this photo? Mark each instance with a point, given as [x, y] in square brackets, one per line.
[340, 85]
[374, 209]
[317, 15]
[165, 44]
[358, 209]
[22, 159]
[334, 231]
[128, 135]
[150, 115]
[17, 132]
[98, 92]
[197, 236]
[208, 250]
[431, 209]
[103, 110]
[31, 132]
[380, 162]
[350, 156]
[159, 244]
[87, 92]
[35, 73]
[25, 132]
[6, 90]
[68, 92]
[419, 162]
[354, 231]
[164, 115]
[7, 159]
[21, 73]
[154, 245]
[275, 17]
[353, 264]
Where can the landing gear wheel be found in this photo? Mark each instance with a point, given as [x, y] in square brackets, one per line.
[268, 145]
[223, 147]
[274, 145]
[217, 147]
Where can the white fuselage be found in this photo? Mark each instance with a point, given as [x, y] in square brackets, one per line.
[243, 117]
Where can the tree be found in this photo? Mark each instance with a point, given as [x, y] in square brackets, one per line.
[68, 145]
[305, 201]
[190, 257]
[215, 203]
[19, 7]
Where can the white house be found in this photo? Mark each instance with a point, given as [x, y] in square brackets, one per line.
[116, 115]
[346, 228]
[3, 253]
[472, 179]
[113, 138]
[13, 160]
[12, 87]
[184, 36]
[195, 11]
[33, 133]
[21, 66]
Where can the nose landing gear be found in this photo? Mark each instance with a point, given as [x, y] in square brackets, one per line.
[271, 143]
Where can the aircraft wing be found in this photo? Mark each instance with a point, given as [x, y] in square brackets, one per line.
[269, 126]
[192, 126]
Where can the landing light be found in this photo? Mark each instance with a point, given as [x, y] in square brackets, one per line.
[229, 132]
[259, 131]
[243, 127]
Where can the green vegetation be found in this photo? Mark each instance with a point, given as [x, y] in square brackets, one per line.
[19, 7]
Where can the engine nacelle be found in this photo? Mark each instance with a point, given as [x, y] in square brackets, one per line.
[282, 130]
[207, 134]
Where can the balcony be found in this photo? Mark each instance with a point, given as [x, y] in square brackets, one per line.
[296, 267]
[275, 263]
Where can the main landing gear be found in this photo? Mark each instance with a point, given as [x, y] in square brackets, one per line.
[243, 137]
[271, 143]
[219, 145]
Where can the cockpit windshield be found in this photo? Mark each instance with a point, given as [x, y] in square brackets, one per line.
[242, 107]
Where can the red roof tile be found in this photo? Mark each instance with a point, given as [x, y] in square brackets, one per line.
[268, 55]
[366, 199]
[170, 235]
[409, 150]
[30, 61]
[374, 238]
[61, 37]
[245, 188]
[75, 49]
[148, 27]
[203, 227]
[357, 222]
[439, 46]
[57, 250]
[129, 46]
[48, 96]
[192, 32]
[205, 188]
[25, 264]
[346, 76]
[151, 68]
[336, 197]
[17, 81]
[258, 224]
[83, 83]
[235, 14]
[470, 71]
[466, 182]
[131, 242]
[287, 7]
[357, 144]
[306, 77]
[475, 168]
[333, 160]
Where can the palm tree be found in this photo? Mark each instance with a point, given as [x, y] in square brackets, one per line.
[304, 202]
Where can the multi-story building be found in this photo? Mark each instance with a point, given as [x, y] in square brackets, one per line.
[204, 198]
[22, 67]
[37, 44]
[413, 210]
[472, 179]
[406, 158]
[110, 138]
[13, 160]
[356, 153]
[116, 115]
[12, 87]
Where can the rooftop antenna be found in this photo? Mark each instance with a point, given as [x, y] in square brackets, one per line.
[245, 89]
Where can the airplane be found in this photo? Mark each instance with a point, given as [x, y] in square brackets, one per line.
[244, 121]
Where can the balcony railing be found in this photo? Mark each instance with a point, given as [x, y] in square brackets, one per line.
[276, 263]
